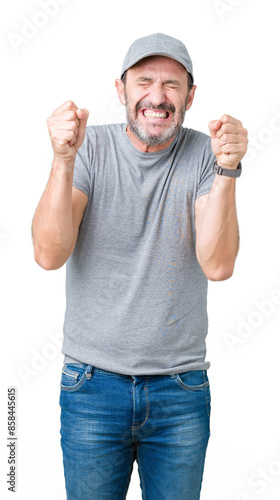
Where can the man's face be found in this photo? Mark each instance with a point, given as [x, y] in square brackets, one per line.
[156, 98]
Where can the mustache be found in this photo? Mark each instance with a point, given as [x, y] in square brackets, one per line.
[149, 105]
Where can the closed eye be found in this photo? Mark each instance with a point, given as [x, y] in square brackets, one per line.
[143, 80]
[172, 84]
[144, 84]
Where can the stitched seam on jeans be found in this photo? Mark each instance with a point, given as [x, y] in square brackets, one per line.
[189, 387]
[208, 409]
[72, 388]
[133, 416]
[70, 373]
[140, 472]
[135, 427]
[207, 402]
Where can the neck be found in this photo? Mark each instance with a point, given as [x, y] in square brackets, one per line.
[142, 146]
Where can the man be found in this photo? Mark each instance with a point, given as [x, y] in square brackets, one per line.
[143, 216]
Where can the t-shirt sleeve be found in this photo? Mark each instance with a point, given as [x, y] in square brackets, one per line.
[207, 175]
[83, 170]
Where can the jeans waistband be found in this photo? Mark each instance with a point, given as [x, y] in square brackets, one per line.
[89, 369]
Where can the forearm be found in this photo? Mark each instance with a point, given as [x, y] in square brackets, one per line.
[52, 226]
[217, 242]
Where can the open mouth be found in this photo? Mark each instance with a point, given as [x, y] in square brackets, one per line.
[149, 113]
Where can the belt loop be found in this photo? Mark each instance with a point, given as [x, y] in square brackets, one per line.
[89, 371]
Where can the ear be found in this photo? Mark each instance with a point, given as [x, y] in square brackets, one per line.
[191, 97]
[120, 89]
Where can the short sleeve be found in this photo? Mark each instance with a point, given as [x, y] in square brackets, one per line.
[207, 175]
[83, 171]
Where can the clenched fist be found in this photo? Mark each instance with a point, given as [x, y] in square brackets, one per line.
[67, 127]
[229, 141]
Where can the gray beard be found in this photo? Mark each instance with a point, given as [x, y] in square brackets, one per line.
[149, 139]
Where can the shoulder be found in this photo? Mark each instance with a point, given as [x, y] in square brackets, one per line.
[95, 132]
[101, 141]
[195, 136]
[195, 143]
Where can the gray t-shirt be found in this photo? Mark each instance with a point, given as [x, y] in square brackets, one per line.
[136, 297]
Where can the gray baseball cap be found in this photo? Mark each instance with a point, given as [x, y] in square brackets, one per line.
[157, 44]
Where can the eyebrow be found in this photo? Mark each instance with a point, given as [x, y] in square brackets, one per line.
[173, 82]
[147, 79]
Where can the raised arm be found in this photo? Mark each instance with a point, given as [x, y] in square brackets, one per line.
[59, 213]
[217, 235]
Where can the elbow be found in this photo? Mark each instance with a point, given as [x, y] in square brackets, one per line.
[217, 269]
[220, 274]
[47, 262]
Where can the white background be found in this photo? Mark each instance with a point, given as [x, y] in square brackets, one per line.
[76, 54]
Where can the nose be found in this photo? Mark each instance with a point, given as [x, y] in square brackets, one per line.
[157, 94]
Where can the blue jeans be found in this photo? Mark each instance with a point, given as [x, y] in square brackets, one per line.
[108, 420]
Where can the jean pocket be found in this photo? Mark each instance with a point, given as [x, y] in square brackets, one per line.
[74, 375]
[195, 380]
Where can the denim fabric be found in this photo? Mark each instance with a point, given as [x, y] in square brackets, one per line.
[108, 420]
